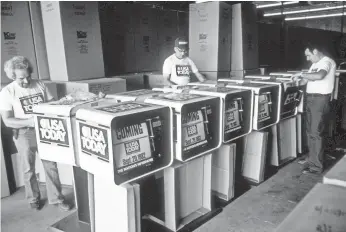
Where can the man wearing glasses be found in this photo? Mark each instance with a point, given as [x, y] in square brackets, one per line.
[178, 67]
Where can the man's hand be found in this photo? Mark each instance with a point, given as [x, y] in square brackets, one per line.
[297, 77]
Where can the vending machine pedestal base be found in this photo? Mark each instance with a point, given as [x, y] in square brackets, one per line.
[187, 189]
[70, 224]
[222, 171]
[117, 208]
[254, 160]
[284, 142]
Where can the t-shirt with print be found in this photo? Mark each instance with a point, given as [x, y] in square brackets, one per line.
[179, 69]
[326, 85]
[21, 100]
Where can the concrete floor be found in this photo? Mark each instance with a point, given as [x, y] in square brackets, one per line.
[16, 216]
[261, 209]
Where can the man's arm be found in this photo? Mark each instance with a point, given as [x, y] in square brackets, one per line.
[195, 71]
[166, 71]
[167, 77]
[315, 76]
[200, 77]
[16, 123]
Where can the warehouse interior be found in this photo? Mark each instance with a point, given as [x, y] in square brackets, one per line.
[138, 151]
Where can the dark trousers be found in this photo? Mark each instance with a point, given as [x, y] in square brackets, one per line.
[317, 112]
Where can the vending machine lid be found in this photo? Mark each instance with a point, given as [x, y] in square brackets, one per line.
[217, 91]
[66, 108]
[104, 114]
[177, 100]
[133, 95]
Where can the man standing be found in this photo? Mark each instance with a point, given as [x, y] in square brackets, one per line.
[16, 102]
[320, 84]
[178, 67]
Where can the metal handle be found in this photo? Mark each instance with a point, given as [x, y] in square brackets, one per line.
[205, 117]
[151, 134]
[270, 103]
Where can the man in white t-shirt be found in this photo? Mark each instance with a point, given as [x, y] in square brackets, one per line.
[16, 102]
[320, 84]
[178, 67]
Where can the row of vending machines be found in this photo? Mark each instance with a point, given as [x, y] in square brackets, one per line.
[174, 133]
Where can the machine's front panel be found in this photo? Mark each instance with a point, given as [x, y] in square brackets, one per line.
[141, 144]
[199, 127]
[237, 115]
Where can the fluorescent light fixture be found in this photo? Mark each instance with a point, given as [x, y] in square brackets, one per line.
[276, 4]
[315, 16]
[304, 11]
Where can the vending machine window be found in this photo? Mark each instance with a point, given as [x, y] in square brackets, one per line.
[128, 140]
[266, 104]
[237, 106]
[292, 92]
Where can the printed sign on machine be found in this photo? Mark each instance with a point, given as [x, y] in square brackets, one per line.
[132, 147]
[232, 121]
[263, 112]
[53, 131]
[193, 130]
[94, 141]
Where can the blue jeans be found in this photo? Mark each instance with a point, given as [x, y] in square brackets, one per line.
[27, 148]
[317, 112]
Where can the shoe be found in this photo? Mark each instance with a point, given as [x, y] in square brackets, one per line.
[302, 161]
[63, 206]
[310, 171]
[35, 205]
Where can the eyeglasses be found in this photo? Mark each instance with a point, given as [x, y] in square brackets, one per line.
[183, 50]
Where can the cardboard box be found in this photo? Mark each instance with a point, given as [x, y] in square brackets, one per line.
[183, 24]
[244, 39]
[134, 81]
[337, 174]
[17, 37]
[53, 88]
[210, 37]
[167, 33]
[118, 39]
[222, 171]
[73, 40]
[105, 85]
[145, 19]
[322, 209]
[156, 80]
[147, 53]
[39, 40]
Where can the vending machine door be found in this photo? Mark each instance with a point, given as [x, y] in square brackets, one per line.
[197, 123]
